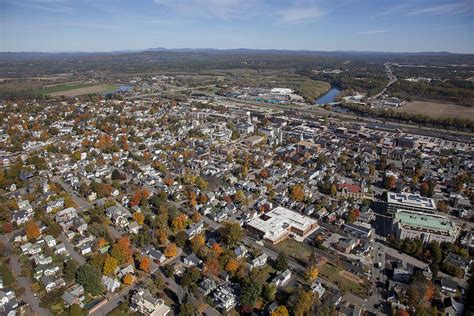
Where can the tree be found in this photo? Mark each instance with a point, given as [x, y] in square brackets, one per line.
[280, 311]
[128, 279]
[217, 249]
[145, 263]
[110, 264]
[32, 230]
[90, 279]
[389, 182]
[231, 234]
[312, 273]
[297, 193]
[425, 188]
[54, 229]
[402, 312]
[139, 217]
[269, 292]
[122, 250]
[76, 310]
[162, 236]
[281, 262]
[303, 302]
[353, 215]
[250, 292]
[196, 217]
[212, 266]
[171, 250]
[198, 242]
[333, 190]
[179, 222]
[69, 271]
[232, 265]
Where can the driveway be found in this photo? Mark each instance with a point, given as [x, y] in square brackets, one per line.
[70, 248]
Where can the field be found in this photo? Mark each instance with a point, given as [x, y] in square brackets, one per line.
[337, 276]
[437, 110]
[73, 89]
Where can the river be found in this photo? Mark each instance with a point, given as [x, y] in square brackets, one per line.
[329, 97]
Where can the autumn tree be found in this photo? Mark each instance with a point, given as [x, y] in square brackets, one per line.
[179, 222]
[122, 250]
[171, 250]
[162, 236]
[198, 242]
[217, 249]
[139, 217]
[297, 193]
[32, 230]
[312, 273]
[232, 265]
[196, 217]
[389, 182]
[110, 264]
[128, 279]
[145, 263]
[303, 302]
[211, 266]
[280, 311]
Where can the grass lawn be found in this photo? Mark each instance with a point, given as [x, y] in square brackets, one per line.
[64, 87]
[331, 273]
[292, 248]
[7, 275]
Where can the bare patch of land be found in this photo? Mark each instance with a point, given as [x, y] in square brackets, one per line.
[435, 109]
[100, 88]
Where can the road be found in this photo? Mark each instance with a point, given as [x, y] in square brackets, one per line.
[82, 203]
[24, 282]
[70, 248]
[391, 77]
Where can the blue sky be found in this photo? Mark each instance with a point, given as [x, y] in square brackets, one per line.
[106, 25]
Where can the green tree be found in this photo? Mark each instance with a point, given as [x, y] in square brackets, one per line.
[281, 262]
[231, 234]
[76, 310]
[90, 279]
[250, 292]
[70, 269]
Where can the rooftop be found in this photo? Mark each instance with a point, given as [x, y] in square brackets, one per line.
[412, 200]
[425, 221]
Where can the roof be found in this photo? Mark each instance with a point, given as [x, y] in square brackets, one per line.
[351, 188]
[418, 221]
[411, 200]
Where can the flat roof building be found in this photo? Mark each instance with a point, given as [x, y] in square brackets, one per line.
[281, 223]
[428, 227]
[409, 202]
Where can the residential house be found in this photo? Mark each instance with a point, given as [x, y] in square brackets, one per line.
[74, 295]
[143, 302]
[224, 298]
[282, 278]
[192, 260]
[110, 284]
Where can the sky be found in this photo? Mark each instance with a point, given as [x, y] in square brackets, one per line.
[362, 25]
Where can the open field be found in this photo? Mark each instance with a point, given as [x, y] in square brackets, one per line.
[96, 88]
[335, 275]
[437, 109]
[294, 249]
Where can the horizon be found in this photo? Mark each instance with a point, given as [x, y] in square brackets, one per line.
[64, 26]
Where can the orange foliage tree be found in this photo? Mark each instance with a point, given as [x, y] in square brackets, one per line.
[217, 249]
[32, 230]
[171, 250]
[145, 264]
[128, 279]
[232, 265]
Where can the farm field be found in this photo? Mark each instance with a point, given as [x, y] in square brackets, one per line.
[435, 109]
[73, 89]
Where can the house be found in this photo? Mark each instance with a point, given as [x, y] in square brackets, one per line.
[192, 260]
[207, 286]
[133, 228]
[449, 286]
[224, 298]
[143, 302]
[110, 284]
[240, 252]
[318, 288]
[50, 241]
[74, 295]
[60, 249]
[51, 284]
[21, 217]
[85, 249]
[194, 230]
[282, 278]
[347, 245]
[8, 303]
[154, 254]
[452, 307]
[126, 270]
[258, 262]
[458, 261]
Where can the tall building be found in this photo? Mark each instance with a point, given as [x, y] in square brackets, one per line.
[428, 227]
[409, 202]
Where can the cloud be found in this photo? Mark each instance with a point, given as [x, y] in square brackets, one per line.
[416, 9]
[300, 13]
[370, 32]
[55, 6]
